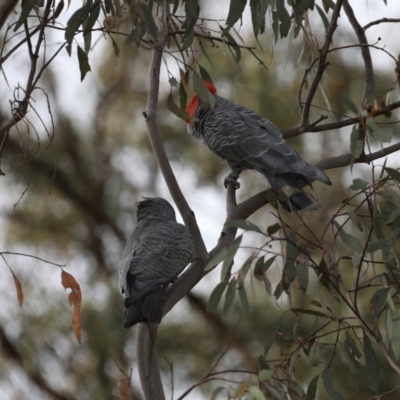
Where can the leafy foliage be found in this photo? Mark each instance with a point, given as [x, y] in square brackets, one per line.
[329, 288]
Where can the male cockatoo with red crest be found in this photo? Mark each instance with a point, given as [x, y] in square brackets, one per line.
[247, 141]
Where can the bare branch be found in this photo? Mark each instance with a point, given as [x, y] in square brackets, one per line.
[345, 159]
[149, 371]
[380, 21]
[321, 64]
[298, 130]
[22, 109]
[359, 31]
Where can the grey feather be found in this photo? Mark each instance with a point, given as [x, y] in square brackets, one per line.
[247, 141]
[156, 253]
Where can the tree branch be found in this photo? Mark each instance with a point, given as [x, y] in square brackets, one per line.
[380, 21]
[20, 111]
[362, 39]
[345, 159]
[321, 65]
[298, 130]
[149, 370]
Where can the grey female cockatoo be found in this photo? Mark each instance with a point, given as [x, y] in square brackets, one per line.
[156, 253]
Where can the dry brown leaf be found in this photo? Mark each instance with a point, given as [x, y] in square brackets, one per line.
[124, 390]
[18, 286]
[75, 300]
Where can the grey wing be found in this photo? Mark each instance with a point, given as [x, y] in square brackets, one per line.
[246, 140]
[140, 245]
[159, 255]
[240, 136]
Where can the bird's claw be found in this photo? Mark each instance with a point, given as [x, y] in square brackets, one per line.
[232, 178]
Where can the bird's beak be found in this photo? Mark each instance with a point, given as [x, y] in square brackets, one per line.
[190, 128]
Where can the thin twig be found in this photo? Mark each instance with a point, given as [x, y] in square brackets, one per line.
[322, 64]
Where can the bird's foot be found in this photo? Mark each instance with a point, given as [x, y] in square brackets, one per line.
[232, 178]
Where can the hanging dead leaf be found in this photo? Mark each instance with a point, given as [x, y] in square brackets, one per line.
[124, 390]
[75, 300]
[18, 287]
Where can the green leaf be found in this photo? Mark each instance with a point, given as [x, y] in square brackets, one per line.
[272, 334]
[259, 269]
[351, 361]
[265, 374]
[372, 365]
[385, 135]
[58, 10]
[377, 94]
[216, 259]
[229, 297]
[218, 390]
[396, 336]
[312, 388]
[94, 14]
[350, 105]
[109, 7]
[204, 74]
[352, 345]
[284, 18]
[243, 224]
[268, 263]
[378, 244]
[230, 254]
[176, 6]
[328, 384]
[215, 297]
[323, 17]
[289, 270]
[244, 270]
[84, 66]
[377, 302]
[357, 220]
[258, 10]
[243, 300]
[263, 363]
[188, 40]
[27, 7]
[236, 9]
[302, 276]
[275, 25]
[356, 145]
[201, 90]
[175, 109]
[314, 354]
[350, 240]
[151, 27]
[359, 184]
[273, 229]
[73, 24]
[192, 11]
[278, 290]
[205, 53]
[298, 311]
[115, 46]
[394, 173]
[255, 392]
[329, 3]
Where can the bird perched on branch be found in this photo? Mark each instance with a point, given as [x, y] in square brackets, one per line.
[156, 253]
[247, 141]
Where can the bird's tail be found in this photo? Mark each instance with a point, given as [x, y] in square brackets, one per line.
[147, 308]
[296, 201]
